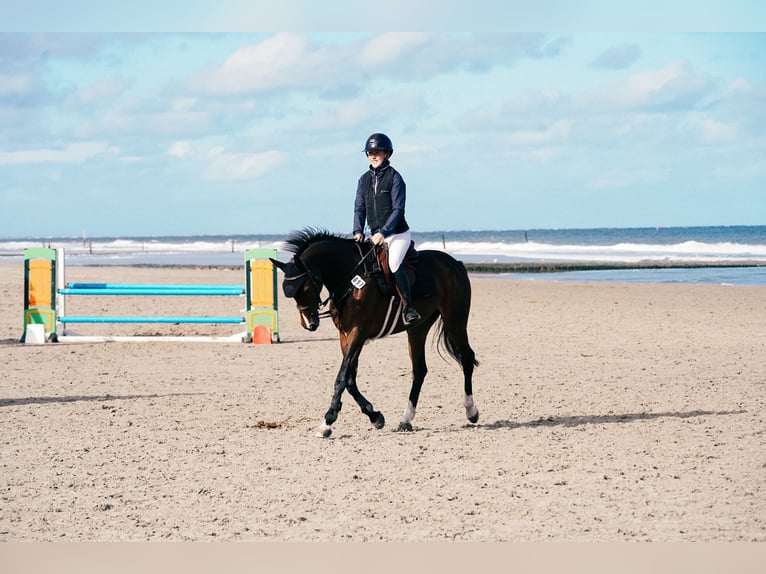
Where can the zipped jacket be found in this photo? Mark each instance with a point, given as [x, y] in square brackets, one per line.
[380, 198]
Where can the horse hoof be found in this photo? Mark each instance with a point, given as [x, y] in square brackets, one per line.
[324, 431]
[474, 418]
[404, 427]
[380, 421]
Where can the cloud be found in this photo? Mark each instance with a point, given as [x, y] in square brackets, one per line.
[73, 153]
[101, 90]
[350, 113]
[280, 61]
[525, 112]
[180, 149]
[290, 61]
[21, 87]
[427, 57]
[44, 45]
[624, 176]
[240, 166]
[618, 57]
[715, 132]
[557, 132]
[177, 117]
[676, 85]
[15, 84]
[390, 47]
[739, 85]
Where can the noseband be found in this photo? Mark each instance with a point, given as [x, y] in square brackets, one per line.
[293, 283]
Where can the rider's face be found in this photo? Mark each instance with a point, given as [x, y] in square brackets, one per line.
[377, 157]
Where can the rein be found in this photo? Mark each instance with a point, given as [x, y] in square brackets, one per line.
[346, 281]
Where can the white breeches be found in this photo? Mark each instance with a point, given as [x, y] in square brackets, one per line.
[398, 244]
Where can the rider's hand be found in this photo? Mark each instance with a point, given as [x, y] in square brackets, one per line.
[358, 237]
[378, 238]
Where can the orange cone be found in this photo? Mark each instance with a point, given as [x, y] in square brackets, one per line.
[261, 335]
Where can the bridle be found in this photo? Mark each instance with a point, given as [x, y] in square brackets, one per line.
[295, 282]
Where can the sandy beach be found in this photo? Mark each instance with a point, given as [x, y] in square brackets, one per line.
[609, 412]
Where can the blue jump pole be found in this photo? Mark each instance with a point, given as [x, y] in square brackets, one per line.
[128, 319]
[162, 290]
[152, 286]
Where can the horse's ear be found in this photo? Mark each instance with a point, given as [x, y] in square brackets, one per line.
[279, 264]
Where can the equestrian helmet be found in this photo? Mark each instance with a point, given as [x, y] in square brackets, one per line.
[379, 142]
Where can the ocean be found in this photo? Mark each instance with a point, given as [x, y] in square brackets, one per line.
[703, 255]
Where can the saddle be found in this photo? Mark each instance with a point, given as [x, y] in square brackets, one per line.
[385, 278]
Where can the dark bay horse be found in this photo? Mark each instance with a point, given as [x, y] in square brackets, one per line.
[362, 310]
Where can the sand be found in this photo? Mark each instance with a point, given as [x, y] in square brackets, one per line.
[609, 412]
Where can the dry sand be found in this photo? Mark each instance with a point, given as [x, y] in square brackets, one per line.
[609, 412]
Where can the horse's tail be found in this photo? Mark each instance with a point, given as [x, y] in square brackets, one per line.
[451, 331]
[443, 341]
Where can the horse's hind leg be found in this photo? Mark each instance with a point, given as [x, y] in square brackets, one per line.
[468, 361]
[471, 412]
[456, 338]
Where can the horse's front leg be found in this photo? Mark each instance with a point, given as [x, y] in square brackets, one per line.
[325, 429]
[351, 346]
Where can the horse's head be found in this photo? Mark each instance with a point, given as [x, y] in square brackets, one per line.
[301, 284]
[320, 259]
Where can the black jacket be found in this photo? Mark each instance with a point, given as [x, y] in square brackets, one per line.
[381, 195]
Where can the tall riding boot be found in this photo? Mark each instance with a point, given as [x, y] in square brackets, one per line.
[409, 313]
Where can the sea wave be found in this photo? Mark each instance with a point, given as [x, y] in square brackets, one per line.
[136, 247]
[745, 249]
[474, 249]
[620, 252]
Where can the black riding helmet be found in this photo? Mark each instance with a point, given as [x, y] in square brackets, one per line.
[378, 142]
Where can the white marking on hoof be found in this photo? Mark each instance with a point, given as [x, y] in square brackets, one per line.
[324, 431]
[470, 408]
[409, 413]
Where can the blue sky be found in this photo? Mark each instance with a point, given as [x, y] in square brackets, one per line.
[113, 132]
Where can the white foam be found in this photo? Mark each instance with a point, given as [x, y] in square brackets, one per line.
[621, 252]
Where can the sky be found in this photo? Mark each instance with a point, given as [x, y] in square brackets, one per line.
[184, 125]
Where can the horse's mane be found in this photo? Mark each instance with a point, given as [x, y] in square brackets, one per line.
[298, 241]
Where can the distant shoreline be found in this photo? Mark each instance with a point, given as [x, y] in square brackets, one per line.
[494, 267]
[557, 267]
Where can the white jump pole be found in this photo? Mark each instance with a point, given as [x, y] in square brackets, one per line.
[60, 300]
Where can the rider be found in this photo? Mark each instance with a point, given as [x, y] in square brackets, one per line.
[380, 198]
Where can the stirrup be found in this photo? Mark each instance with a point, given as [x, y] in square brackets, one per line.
[410, 315]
